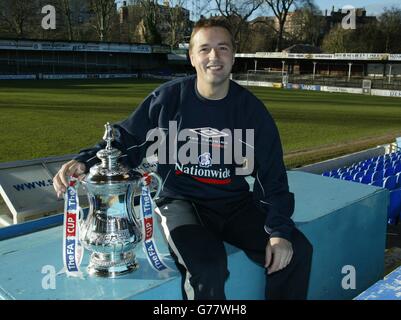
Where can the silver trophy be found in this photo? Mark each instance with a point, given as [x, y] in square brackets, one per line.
[112, 228]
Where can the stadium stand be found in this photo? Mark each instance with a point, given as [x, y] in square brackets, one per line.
[339, 69]
[39, 58]
[381, 171]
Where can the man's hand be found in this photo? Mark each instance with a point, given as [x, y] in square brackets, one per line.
[70, 168]
[278, 254]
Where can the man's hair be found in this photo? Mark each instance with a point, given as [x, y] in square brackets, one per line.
[204, 23]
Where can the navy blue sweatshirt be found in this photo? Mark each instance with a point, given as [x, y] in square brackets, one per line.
[211, 125]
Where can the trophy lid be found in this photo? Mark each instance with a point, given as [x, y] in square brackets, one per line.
[109, 171]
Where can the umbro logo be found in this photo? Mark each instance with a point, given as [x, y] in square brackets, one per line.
[209, 132]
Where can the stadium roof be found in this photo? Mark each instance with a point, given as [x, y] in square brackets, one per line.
[48, 45]
[323, 56]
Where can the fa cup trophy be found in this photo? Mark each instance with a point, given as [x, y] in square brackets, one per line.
[112, 228]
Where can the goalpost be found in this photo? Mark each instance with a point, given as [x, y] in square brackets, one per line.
[267, 76]
[366, 86]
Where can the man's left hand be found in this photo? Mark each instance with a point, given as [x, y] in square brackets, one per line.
[278, 254]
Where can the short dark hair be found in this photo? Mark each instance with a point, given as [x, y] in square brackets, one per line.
[210, 23]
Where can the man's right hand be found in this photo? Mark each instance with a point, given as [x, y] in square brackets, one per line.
[70, 168]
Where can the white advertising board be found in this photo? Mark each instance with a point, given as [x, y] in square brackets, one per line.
[27, 186]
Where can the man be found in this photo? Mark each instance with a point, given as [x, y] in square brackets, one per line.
[205, 202]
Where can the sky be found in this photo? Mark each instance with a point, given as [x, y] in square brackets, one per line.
[372, 6]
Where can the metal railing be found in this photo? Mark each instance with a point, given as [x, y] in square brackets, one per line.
[336, 81]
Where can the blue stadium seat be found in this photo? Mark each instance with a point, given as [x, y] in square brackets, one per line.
[378, 183]
[340, 171]
[395, 206]
[390, 182]
[388, 172]
[388, 165]
[353, 172]
[370, 170]
[372, 166]
[367, 178]
[326, 174]
[397, 167]
[398, 179]
[358, 176]
[377, 175]
[333, 172]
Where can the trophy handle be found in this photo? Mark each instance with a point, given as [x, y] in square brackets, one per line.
[159, 183]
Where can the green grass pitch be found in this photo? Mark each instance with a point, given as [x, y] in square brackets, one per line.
[48, 118]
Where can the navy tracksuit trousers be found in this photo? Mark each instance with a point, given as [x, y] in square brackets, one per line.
[195, 231]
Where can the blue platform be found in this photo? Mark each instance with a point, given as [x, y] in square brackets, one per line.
[387, 289]
[345, 222]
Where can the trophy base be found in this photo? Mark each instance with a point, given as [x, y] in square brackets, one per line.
[112, 265]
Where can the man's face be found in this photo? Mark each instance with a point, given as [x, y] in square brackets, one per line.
[212, 55]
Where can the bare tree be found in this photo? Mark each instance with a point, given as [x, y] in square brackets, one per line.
[150, 21]
[132, 16]
[263, 36]
[337, 40]
[310, 23]
[201, 9]
[69, 17]
[390, 25]
[105, 16]
[237, 13]
[65, 7]
[177, 22]
[17, 16]
[379, 36]
[280, 9]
